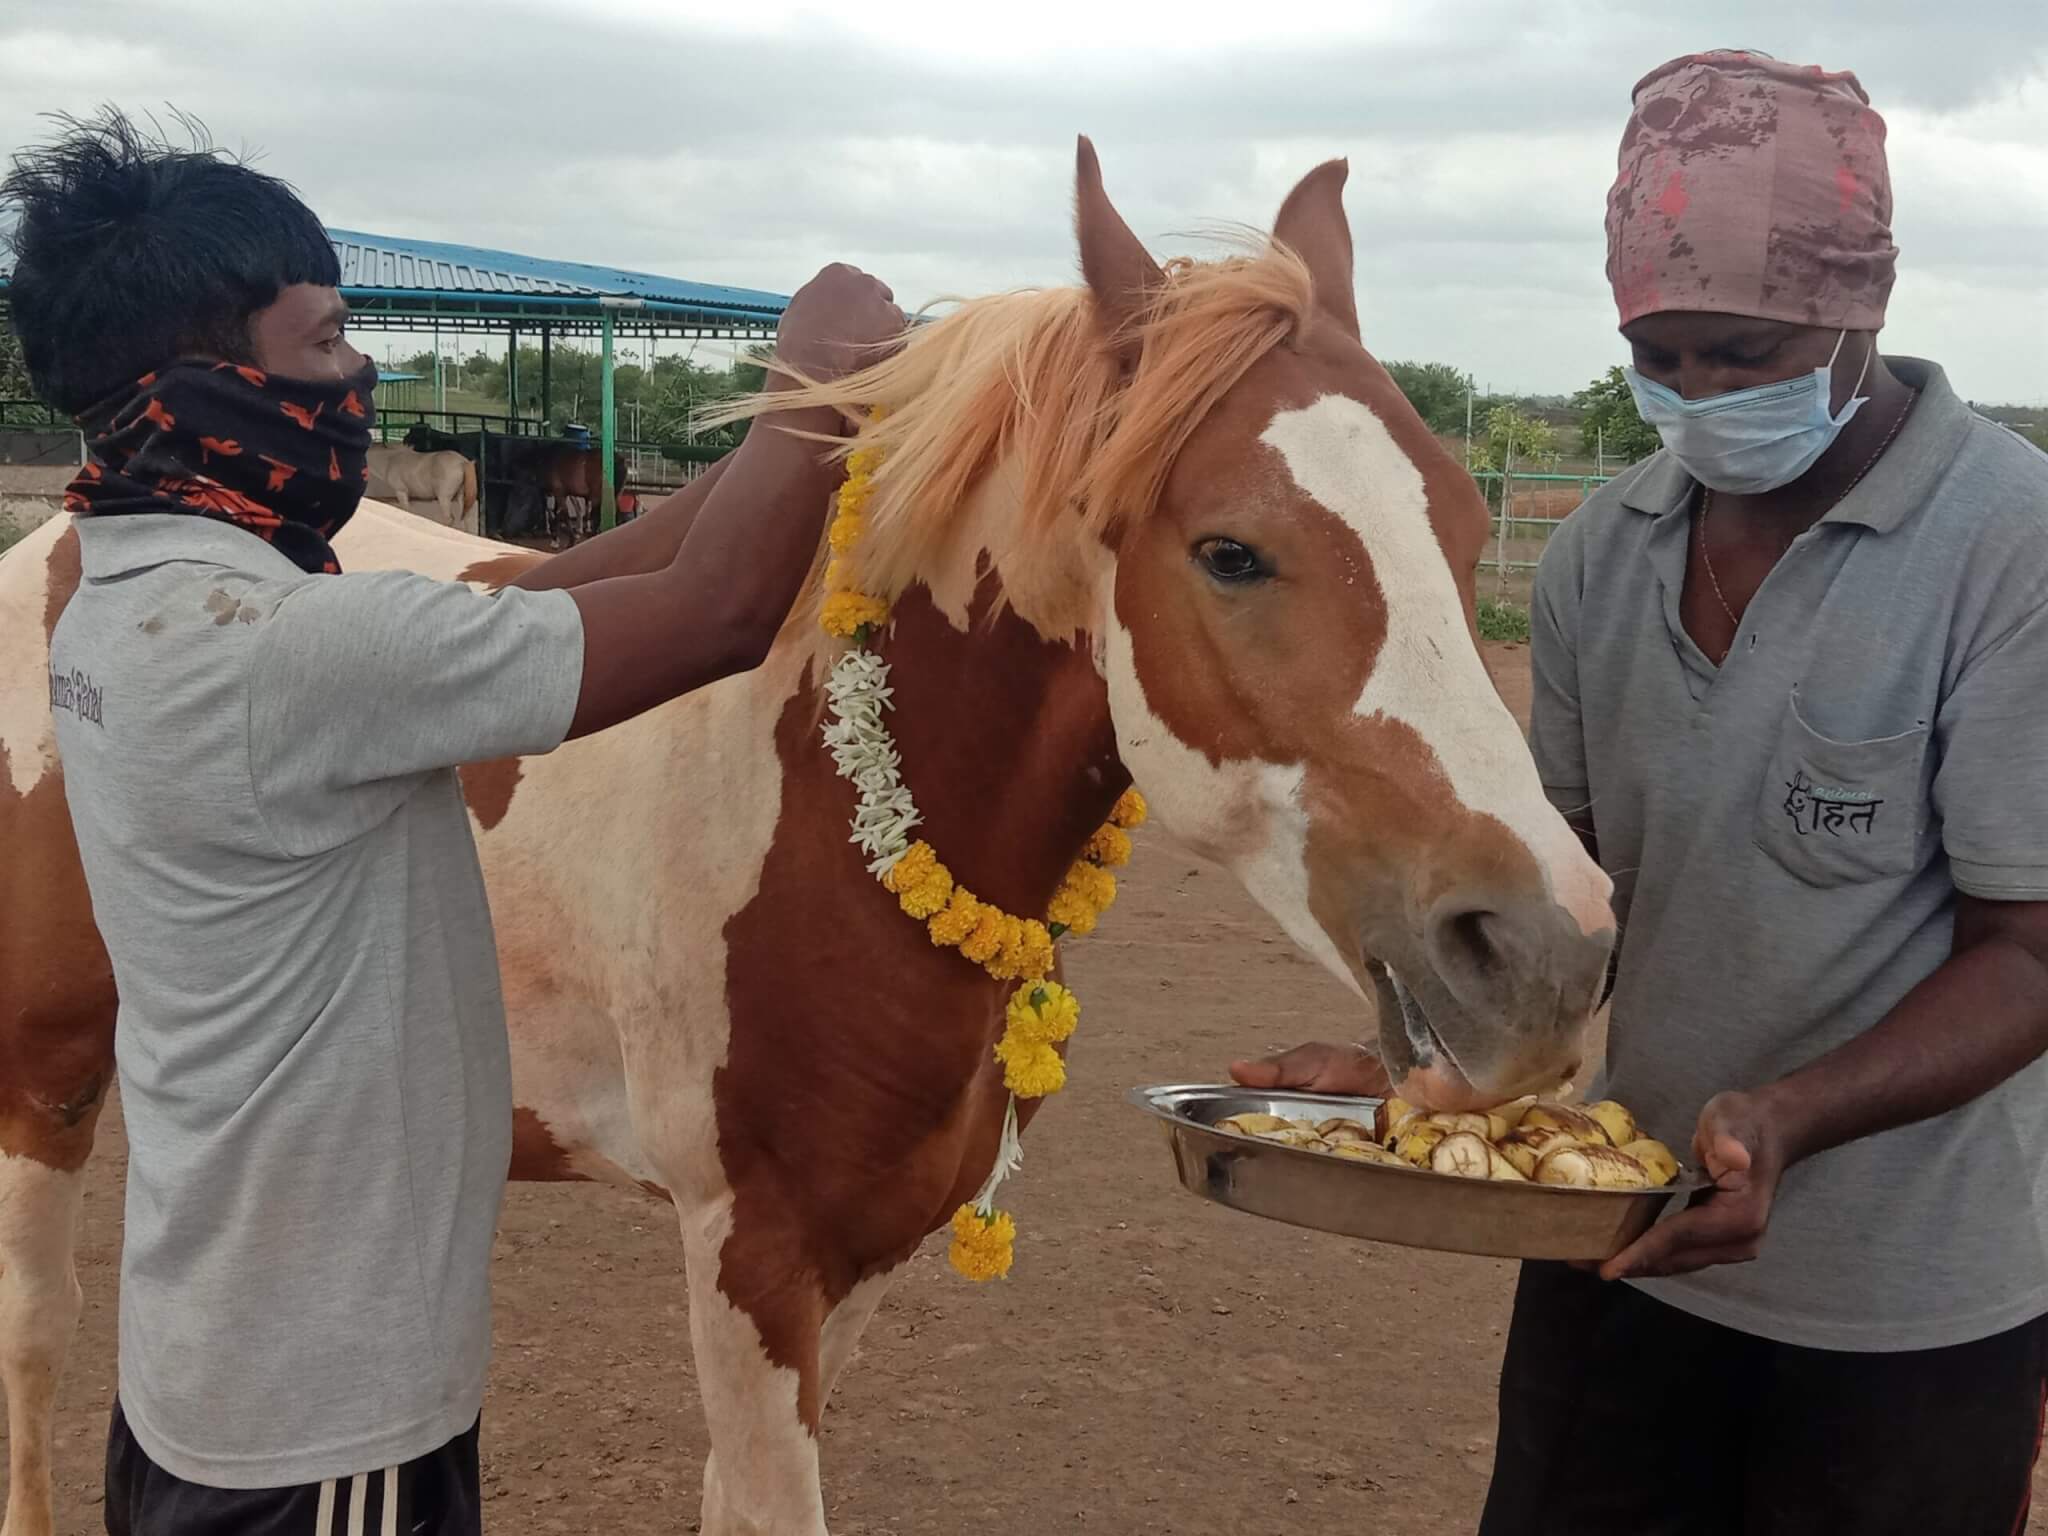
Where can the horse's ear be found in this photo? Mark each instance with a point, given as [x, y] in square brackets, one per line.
[1313, 226]
[1120, 272]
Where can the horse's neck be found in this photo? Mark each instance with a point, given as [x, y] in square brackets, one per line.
[1007, 746]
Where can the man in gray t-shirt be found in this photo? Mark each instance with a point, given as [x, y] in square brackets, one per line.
[258, 755]
[1791, 685]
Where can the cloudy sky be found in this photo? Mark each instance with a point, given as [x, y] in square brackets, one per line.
[933, 143]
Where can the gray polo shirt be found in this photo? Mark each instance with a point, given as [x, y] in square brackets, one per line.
[1787, 833]
[311, 1040]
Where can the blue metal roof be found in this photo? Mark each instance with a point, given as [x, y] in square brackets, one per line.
[372, 264]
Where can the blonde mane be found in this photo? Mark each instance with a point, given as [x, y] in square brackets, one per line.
[1029, 379]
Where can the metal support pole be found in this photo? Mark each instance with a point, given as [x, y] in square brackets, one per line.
[547, 375]
[608, 434]
[440, 376]
[512, 373]
[1500, 558]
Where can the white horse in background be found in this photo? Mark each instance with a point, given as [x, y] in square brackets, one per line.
[401, 475]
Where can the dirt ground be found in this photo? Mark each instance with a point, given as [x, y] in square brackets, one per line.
[1154, 1363]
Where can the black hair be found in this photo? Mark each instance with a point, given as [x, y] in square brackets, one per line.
[130, 251]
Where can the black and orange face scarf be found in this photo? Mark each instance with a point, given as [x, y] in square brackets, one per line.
[285, 459]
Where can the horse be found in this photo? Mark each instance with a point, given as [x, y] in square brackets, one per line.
[572, 480]
[1171, 524]
[447, 479]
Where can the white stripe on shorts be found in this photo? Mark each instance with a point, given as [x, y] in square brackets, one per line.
[323, 1520]
[390, 1502]
[358, 1496]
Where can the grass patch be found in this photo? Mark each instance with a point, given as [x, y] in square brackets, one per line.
[1503, 622]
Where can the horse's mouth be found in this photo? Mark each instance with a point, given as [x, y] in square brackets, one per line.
[1428, 1047]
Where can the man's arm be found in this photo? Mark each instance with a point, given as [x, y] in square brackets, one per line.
[1978, 1019]
[701, 593]
[718, 604]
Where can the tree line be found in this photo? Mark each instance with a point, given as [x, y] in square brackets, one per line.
[669, 395]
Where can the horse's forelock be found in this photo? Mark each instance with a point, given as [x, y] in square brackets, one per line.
[1029, 378]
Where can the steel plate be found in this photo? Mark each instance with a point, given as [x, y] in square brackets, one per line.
[1409, 1206]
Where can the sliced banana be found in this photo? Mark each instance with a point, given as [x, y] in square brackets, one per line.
[1656, 1158]
[1615, 1120]
[1294, 1136]
[1252, 1124]
[1565, 1117]
[1417, 1142]
[1340, 1128]
[1463, 1153]
[1511, 1113]
[1390, 1117]
[1366, 1152]
[1585, 1167]
[1532, 1139]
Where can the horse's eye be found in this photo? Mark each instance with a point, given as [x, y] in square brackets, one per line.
[1228, 560]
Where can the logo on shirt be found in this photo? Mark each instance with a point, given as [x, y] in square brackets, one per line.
[1829, 808]
[77, 694]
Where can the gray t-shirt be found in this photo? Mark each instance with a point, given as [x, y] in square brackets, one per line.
[311, 1041]
[1787, 833]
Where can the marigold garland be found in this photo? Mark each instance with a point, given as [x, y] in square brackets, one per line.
[1041, 1014]
[981, 1247]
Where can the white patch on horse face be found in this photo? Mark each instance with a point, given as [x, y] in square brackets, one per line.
[1247, 816]
[1428, 676]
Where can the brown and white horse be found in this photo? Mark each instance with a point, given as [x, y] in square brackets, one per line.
[1173, 524]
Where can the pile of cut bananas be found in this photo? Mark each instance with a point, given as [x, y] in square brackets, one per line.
[1531, 1140]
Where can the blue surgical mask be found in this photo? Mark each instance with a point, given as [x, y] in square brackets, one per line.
[1750, 440]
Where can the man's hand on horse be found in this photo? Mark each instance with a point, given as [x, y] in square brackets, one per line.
[1341, 1069]
[840, 321]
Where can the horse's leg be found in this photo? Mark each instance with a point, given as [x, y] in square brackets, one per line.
[843, 1328]
[39, 1308]
[761, 1478]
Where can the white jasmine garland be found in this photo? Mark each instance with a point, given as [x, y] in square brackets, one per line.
[864, 754]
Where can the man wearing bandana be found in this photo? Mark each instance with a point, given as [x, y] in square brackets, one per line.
[259, 764]
[1791, 686]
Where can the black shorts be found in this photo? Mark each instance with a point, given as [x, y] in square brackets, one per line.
[1622, 1414]
[436, 1495]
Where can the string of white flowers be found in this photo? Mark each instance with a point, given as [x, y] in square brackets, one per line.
[864, 754]
[1009, 1158]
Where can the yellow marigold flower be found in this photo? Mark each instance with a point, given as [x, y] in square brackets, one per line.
[929, 896]
[918, 860]
[1094, 885]
[982, 1246]
[844, 532]
[1031, 1069]
[1130, 810]
[1034, 949]
[1044, 1013]
[1007, 963]
[961, 917]
[1110, 846]
[982, 945]
[861, 463]
[1072, 911]
[845, 612]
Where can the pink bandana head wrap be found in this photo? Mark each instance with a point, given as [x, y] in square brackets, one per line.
[1751, 187]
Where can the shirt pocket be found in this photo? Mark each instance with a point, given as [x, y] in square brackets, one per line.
[1839, 812]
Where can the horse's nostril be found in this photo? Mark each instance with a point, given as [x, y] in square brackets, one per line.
[1467, 939]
